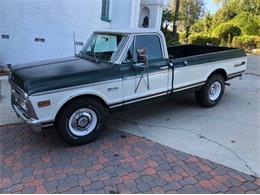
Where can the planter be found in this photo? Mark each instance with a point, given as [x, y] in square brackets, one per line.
[4, 71]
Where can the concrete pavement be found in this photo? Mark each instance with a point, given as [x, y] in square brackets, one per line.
[254, 65]
[228, 134]
[7, 114]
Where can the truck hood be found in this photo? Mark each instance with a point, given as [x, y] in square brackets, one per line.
[59, 73]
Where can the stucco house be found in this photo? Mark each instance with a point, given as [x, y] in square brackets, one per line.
[43, 29]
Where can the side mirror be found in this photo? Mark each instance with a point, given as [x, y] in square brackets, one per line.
[142, 55]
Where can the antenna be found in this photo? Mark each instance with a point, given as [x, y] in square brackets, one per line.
[74, 41]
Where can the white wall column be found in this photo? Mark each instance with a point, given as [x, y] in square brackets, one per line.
[135, 11]
[155, 8]
[120, 13]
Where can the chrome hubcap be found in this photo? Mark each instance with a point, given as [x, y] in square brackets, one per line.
[82, 122]
[215, 91]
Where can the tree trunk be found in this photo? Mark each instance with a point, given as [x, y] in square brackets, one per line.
[187, 31]
[176, 15]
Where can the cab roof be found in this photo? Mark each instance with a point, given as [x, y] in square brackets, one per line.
[131, 31]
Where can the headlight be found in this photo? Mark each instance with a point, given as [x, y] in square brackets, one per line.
[20, 98]
[23, 104]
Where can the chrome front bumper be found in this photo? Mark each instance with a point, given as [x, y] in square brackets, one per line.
[24, 117]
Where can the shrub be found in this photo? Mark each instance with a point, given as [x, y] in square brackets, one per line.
[183, 38]
[249, 24]
[169, 39]
[226, 32]
[246, 42]
[256, 51]
[201, 39]
[257, 42]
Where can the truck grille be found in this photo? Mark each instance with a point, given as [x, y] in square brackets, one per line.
[20, 99]
[17, 96]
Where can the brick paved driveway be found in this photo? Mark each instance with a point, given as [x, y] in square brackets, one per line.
[116, 163]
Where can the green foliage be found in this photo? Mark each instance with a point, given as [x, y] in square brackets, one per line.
[168, 38]
[183, 38]
[166, 16]
[226, 32]
[252, 28]
[246, 42]
[190, 11]
[249, 23]
[226, 13]
[249, 6]
[202, 39]
[236, 23]
[203, 25]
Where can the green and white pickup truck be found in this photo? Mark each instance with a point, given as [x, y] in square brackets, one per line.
[114, 70]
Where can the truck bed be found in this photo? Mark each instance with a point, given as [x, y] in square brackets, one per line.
[196, 54]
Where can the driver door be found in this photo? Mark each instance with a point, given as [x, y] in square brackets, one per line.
[154, 82]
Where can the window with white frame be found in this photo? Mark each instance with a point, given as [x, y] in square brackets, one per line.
[105, 10]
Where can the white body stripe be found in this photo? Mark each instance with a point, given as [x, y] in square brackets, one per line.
[58, 99]
[158, 83]
[194, 74]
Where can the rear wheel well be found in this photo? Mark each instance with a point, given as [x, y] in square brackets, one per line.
[222, 72]
[81, 97]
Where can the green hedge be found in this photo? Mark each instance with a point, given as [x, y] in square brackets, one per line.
[246, 42]
[168, 38]
[249, 24]
[201, 39]
[226, 32]
[182, 37]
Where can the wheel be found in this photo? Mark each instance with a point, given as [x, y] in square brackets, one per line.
[81, 121]
[211, 94]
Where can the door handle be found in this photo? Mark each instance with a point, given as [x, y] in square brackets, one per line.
[164, 67]
[185, 63]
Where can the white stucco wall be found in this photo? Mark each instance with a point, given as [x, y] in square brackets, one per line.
[53, 20]
[124, 13]
[56, 20]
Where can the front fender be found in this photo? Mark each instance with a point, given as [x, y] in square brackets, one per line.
[58, 100]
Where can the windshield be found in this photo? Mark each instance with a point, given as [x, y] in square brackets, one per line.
[103, 46]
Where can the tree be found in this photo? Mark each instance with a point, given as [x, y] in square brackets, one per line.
[190, 12]
[166, 16]
[226, 32]
[250, 6]
[234, 18]
[249, 23]
[175, 19]
[203, 25]
[233, 10]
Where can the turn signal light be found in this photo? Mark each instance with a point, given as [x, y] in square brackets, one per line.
[44, 103]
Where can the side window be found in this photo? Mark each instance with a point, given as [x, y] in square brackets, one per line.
[152, 44]
[105, 10]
